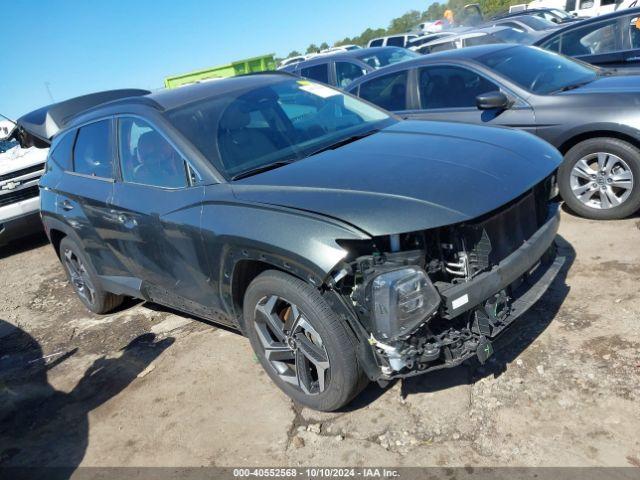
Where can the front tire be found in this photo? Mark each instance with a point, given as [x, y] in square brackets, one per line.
[600, 179]
[301, 343]
[84, 279]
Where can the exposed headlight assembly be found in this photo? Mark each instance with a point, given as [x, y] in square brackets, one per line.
[400, 300]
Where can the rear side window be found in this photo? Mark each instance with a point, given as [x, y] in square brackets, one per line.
[395, 42]
[319, 73]
[63, 151]
[376, 43]
[347, 72]
[93, 154]
[389, 92]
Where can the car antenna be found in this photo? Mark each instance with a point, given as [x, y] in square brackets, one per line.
[7, 118]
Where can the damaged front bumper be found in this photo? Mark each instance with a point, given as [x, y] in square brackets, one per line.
[474, 313]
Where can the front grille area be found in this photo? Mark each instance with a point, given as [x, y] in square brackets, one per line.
[18, 195]
[24, 171]
[494, 237]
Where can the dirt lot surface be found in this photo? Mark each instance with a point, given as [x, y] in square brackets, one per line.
[146, 386]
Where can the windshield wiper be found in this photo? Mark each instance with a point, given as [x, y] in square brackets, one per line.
[260, 169]
[343, 141]
[573, 86]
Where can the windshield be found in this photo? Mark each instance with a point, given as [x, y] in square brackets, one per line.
[537, 70]
[537, 23]
[388, 56]
[282, 121]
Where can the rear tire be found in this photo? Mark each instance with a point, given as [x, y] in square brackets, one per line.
[592, 191]
[84, 279]
[285, 320]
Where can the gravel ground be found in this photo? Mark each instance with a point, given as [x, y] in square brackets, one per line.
[146, 386]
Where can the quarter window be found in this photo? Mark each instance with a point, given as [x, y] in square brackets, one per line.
[93, 154]
[63, 151]
[147, 158]
[317, 72]
[389, 92]
[347, 72]
[451, 87]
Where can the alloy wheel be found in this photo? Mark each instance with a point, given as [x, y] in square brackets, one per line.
[601, 180]
[293, 348]
[79, 276]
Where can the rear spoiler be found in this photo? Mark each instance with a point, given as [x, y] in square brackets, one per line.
[35, 129]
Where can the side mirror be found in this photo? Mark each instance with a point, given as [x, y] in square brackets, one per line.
[492, 100]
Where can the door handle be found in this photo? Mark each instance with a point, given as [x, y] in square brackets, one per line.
[65, 205]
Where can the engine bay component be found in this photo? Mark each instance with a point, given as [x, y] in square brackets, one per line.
[399, 301]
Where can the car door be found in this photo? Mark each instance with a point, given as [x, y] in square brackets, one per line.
[448, 92]
[85, 194]
[157, 204]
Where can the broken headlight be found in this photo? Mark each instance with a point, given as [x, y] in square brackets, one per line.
[400, 300]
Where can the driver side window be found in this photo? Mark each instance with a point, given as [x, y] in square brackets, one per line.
[147, 158]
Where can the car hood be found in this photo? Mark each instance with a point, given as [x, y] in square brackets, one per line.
[17, 158]
[410, 176]
[623, 81]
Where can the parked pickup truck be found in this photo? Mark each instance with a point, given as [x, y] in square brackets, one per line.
[20, 171]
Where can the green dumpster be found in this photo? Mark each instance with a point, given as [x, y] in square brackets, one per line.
[248, 65]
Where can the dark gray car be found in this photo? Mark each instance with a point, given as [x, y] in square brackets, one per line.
[345, 243]
[590, 115]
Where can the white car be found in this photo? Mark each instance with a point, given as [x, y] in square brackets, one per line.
[417, 42]
[582, 8]
[341, 48]
[20, 170]
[292, 60]
[430, 27]
[392, 40]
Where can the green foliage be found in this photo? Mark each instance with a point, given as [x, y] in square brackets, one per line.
[412, 18]
[293, 53]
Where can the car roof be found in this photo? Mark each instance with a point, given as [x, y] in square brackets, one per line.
[522, 12]
[589, 21]
[393, 36]
[168, 99]
[476, 32]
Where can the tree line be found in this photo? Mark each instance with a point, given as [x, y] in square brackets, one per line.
[411, 19]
